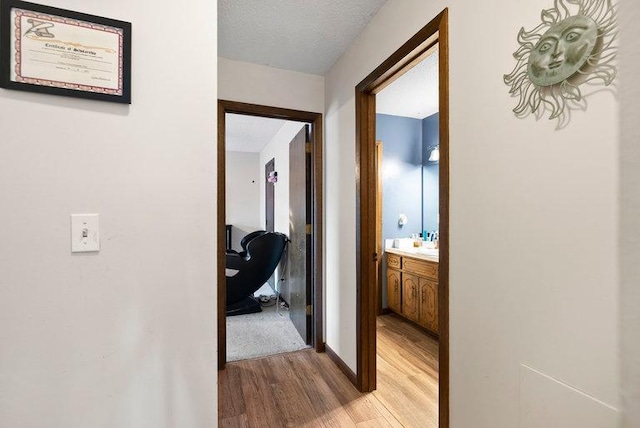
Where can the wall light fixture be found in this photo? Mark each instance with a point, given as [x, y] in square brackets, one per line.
[435, 154]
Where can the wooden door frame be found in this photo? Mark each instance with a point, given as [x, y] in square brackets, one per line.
[315, 119]
[379, 213]
[399, 62]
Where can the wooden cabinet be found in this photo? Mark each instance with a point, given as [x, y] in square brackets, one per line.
[394, 290]
[412, 289]
[393, 261]
[410, 285]
[428, 316]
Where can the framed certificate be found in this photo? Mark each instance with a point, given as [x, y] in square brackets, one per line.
[56, 51]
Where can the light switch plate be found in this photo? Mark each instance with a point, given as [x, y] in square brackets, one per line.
[85, 233]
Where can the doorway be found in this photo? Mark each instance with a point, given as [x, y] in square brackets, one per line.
[367, 230]
[313, 231]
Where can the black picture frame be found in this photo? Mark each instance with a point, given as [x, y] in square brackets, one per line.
[83, 23]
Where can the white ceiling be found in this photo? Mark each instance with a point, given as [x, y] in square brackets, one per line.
[249, 133]
[301, 35]
[414, 94]
[309, 36]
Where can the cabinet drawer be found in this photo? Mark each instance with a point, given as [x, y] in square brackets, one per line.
[393, 261]
[420, 267]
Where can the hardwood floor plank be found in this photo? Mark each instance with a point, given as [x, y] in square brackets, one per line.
[258, 398]
[306, 389]
[407, 372]
[324, 402]
[374, 423]
[292, 403]
[231, 402]
[386, 414]
[357, 405]
[240, 421]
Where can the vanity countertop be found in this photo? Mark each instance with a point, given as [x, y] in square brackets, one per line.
[430, 255]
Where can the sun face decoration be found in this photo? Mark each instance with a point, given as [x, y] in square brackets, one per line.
[560, 54]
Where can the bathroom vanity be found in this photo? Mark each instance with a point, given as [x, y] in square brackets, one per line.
[412, 285]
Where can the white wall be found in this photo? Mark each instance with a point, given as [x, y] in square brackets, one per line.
[534, 253]
[259, 84]
[630, 215]
[243, 194]
[125, 337]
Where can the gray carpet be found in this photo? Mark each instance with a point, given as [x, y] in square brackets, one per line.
[261, 334]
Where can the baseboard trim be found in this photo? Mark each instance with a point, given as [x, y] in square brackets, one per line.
[344, 368]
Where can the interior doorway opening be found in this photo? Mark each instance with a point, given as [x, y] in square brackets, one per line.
[413, 277]
[304, 242]
[407, 240]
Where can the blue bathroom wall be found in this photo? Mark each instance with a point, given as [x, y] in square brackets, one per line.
[430, 172]
[402, 164]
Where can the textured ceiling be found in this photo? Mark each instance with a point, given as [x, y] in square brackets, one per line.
[249, 133]
[301, 35]
[414, 94]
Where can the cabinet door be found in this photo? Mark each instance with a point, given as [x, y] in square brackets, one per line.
[410, 285]
[393, 290]
[429, 304]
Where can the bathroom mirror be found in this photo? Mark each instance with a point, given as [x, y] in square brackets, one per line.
[410, 179]
[407, 125]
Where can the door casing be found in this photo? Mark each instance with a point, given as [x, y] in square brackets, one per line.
[409, 54]
[315, 119]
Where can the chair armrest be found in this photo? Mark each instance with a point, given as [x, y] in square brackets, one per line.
[230, 273]
[234, 261]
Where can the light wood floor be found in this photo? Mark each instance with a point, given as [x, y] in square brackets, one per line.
[407, 372]
[306, 389]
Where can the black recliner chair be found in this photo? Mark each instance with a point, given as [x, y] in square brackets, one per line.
[262, 256]
[245, 241]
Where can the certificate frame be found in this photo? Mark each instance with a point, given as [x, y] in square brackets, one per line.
[61, 52]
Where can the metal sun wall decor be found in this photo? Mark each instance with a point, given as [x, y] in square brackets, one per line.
[565, 51]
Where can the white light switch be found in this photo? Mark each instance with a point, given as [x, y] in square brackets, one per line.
[85, 234]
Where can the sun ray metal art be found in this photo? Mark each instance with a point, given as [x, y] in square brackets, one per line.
[572, 46]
